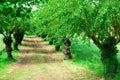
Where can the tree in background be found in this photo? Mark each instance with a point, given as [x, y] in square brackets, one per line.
[21, 26]
[6, 26]
[50, 20]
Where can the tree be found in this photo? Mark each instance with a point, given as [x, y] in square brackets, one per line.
[10, 10]
[51, 20]
[21, 26]
[100, 22]
[6, 30]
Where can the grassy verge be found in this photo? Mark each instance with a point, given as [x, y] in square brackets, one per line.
[88, 55]
[4, 61]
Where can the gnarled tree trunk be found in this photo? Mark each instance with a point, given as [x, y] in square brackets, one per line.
[18, 39]
[8, 41]
[66, 51]
[109, 58]
[110, 64]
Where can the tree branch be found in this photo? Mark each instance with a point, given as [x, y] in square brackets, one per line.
[3, 34]
[95, 39]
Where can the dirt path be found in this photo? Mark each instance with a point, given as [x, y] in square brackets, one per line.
[39, 61]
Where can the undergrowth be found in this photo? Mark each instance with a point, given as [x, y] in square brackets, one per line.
[88, 55]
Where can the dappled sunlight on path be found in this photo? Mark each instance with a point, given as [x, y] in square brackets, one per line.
[39, 61]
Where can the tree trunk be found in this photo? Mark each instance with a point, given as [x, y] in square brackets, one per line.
[110, 64]
[108, 55]
[66, 51]
[18, 39]
[8, 41]
[109, 59]
[21, 37]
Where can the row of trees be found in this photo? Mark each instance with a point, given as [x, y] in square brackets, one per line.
[59, 21]
[97, 20]
[14, 15]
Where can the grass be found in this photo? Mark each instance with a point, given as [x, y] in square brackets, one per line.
[88, 55]
[118, 75]
[4, 61]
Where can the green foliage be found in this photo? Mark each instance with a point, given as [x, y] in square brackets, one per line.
[68, 17]
[14, 15]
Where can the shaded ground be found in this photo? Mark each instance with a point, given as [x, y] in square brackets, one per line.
[39, 61]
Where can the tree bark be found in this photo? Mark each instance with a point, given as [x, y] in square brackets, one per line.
[66, 51]
[8, 41]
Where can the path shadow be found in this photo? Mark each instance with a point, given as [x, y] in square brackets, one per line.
[37, 51]
[38, 45]
[38, 59]
[28, 40]
[32, 45]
